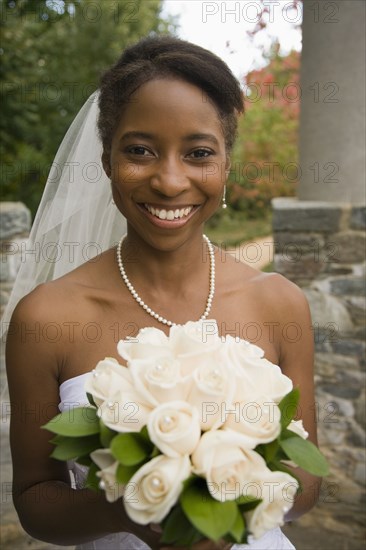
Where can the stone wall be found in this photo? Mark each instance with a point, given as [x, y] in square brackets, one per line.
[15, 222]
[321, 247]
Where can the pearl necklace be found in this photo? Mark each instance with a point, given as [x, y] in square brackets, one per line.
[146, 307]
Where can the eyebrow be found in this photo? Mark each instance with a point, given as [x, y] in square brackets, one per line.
[138, 135]
[189, 138]
[197, 137]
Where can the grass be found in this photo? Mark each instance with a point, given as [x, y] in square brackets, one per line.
[269, 268]
[231, 228]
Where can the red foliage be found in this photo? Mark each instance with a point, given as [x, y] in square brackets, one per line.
[265, 159]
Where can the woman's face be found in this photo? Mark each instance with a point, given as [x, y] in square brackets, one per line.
[168, 163]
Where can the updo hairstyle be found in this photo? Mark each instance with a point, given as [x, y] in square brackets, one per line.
[164, 57]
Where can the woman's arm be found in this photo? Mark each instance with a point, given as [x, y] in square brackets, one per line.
[48, 508]
[296, 362]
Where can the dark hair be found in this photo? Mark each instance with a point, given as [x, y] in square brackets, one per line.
[164, 57]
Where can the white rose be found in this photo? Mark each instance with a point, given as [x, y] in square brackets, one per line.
[124, 411]
[155, 488]
[174, 427]
[227, 465]
[241, 352]
[150, 342]
[297, 427]
[259, 419]
[212, 389]
[159, 380]
[261, 376]
[189, 343]
[277, 491]
[107, 377]
[194, 336]
[107, 474]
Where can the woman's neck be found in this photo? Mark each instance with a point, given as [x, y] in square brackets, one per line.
[169, 268]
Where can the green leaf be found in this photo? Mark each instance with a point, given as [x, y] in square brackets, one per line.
[85, 461]
[155, 452]
[306, 455]
[178, 530]
[124, 473]
[75, 422]
[145, 434]
[58, 439]
[244, 499]
[72, 447]
[92, 481]
[248, 503]
[106, 435]
[288, 406]
[285, 434]
[238, 528]
[91, 399]
[212, 518]
[130, 448]
[268, 450]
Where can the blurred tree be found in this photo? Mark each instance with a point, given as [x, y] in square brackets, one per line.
[52, 55]
[265, 158]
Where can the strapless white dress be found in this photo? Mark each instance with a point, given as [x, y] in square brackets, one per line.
[72, 394]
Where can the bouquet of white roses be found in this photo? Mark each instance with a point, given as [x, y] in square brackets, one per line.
[196, 434]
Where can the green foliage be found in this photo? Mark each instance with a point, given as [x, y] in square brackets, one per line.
[288, 406]
[229, 228]
[305, 454]
[178, 530]
[75, 447]
[124, 473]
[78, 422]
[237, 531]
[92, 480]
[130, 448]
[212, 518]
[265, 157]
[52, 55]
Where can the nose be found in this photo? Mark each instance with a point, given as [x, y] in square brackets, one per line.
[169, 178]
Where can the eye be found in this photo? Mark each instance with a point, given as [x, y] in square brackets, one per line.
[201, 153]
[139, 150]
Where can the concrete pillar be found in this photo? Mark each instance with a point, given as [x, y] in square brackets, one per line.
[332, 124]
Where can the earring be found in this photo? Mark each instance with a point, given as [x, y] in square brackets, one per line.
[224, 205]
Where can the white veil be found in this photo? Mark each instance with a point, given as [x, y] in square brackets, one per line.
[76, 219]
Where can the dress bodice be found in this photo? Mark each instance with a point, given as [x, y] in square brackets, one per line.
[72, 394]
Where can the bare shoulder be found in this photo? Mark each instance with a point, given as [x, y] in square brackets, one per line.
[67, 295]
[282, 291]
[284, 298]
[270, 288]
[38, 334]
[45, 303]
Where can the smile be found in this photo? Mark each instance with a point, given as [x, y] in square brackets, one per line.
[164, 214]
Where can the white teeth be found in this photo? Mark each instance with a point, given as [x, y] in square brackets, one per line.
[168, 214]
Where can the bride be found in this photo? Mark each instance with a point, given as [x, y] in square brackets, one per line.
[166, 115]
